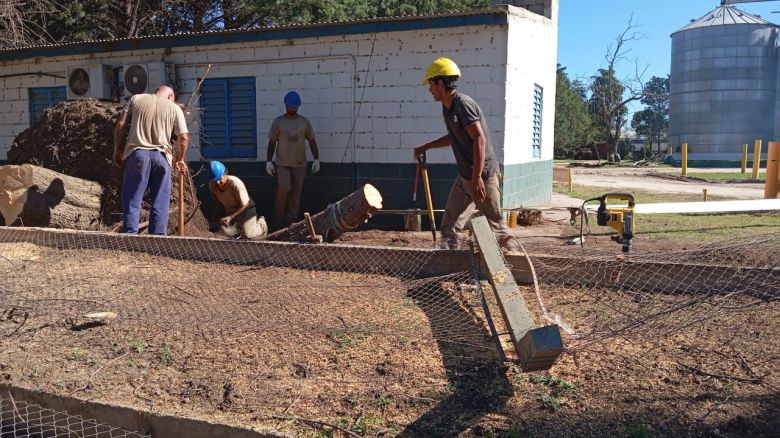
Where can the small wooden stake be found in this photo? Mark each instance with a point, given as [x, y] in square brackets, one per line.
[756, 158]
[181, 203]
[313, 236]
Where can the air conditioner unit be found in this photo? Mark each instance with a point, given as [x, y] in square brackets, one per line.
[93, 80]
[145, 77]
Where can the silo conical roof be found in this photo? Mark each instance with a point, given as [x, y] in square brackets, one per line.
[725, 15]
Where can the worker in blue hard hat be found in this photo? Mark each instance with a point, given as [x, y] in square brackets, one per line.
[230, 193]
[287, 138]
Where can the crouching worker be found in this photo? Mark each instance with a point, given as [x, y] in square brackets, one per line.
[230, 193]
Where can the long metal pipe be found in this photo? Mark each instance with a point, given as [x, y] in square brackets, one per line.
[33, 73]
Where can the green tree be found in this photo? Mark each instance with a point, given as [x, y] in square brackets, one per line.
[58, 21]
[573, 125]
[653, 121]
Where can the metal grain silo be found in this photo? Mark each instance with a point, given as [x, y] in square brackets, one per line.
[722, 85]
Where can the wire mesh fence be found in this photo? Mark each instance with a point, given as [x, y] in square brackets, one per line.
[646, 295]
[20, 419]
[228, 327]
[224, 329]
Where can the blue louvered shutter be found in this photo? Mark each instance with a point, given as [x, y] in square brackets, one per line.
[243, 122]
[42, 98]
[229, 120]
[536, 142]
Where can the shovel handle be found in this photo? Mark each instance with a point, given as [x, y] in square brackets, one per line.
[416, 185]
[181, 203]
[427, 185]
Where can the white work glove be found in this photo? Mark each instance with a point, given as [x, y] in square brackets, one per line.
[269, 168]
[315, 166]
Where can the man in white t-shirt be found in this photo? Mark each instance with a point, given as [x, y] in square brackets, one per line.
[230, 193]
[287, 138]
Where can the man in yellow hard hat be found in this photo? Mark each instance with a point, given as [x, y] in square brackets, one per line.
[478, 172]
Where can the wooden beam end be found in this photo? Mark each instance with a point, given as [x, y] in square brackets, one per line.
[538, 349]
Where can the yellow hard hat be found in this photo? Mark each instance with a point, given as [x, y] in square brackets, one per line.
[441, 67]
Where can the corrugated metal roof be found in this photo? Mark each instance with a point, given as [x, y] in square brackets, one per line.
[725, 15]
[500, 9]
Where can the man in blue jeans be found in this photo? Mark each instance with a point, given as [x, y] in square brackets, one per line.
[148, 156]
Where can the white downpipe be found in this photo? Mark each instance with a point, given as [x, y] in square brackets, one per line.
[748, 205]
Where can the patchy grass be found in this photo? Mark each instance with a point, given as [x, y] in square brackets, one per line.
[642, 196]
[703, 227]
[728, 176]
[706, 227]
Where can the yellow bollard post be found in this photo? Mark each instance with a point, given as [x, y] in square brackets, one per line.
[756, 159]
[684, 159]
[744, 157]
[571, 181]
[772, 184]
[704, 192]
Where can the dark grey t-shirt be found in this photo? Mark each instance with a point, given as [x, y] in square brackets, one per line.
[463, 112]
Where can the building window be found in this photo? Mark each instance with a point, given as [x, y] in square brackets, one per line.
[536, 143]
[229, 120]
[42, 98]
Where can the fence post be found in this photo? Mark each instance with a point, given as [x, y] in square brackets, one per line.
[744, 157]
[756, 158]
[571, 181]
[684, 159]
[772, 184]
[704, 193]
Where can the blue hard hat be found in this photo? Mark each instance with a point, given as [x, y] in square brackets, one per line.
[217, 170]
[292, 99]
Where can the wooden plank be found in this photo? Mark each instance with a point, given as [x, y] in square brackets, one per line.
[142, 421]
[403, 262]
[537, 348]
[641, 275]
[510, 300]
[563, 175]
[543, 345]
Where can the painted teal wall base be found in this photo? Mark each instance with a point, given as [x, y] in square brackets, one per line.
[524, 184]
[334, 181]
[527, 184]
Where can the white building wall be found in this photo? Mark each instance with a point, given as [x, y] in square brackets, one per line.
[531, 60]
[332, 75]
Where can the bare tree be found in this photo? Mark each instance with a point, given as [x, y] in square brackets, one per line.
[17, 29]
[610, 96]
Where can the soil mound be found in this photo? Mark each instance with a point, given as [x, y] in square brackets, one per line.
[77, 138]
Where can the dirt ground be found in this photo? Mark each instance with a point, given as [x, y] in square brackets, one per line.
[313, 354]
[293, 349]
[658, 179]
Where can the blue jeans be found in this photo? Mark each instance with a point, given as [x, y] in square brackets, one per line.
[146, 168]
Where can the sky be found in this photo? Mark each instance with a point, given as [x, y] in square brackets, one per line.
[586, 27]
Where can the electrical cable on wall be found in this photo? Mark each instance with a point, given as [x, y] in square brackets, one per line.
[360, 104]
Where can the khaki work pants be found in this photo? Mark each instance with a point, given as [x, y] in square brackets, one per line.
[460, 208]
[288, 194]
[247, 225]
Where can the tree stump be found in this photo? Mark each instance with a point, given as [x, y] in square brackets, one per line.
[340, 217]
[34, 196]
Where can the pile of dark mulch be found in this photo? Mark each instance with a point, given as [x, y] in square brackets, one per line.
[77, 138]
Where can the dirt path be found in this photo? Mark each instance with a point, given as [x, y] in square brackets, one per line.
[648, 179]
